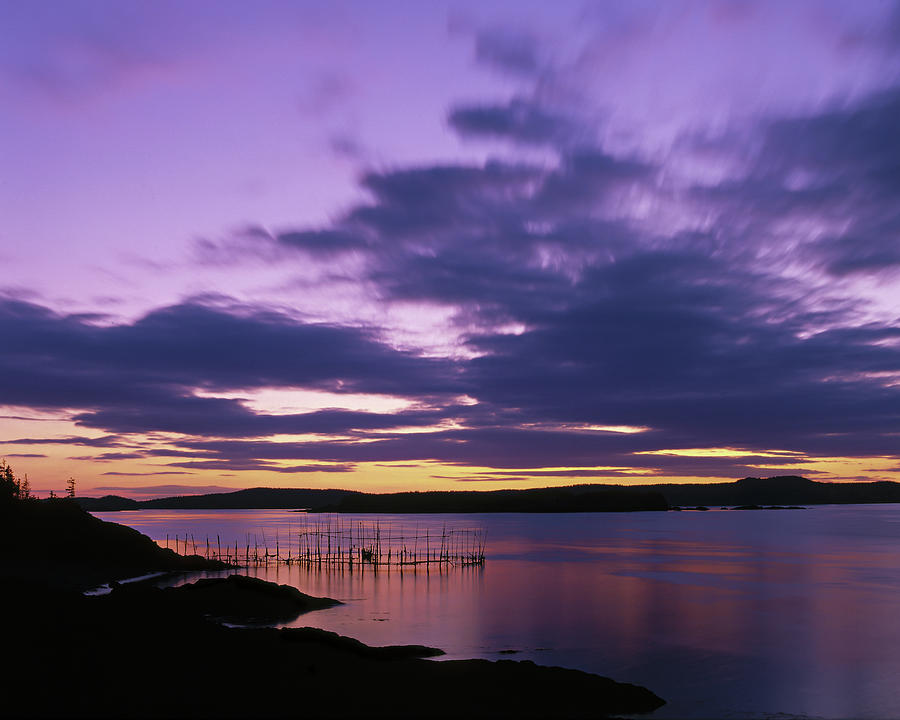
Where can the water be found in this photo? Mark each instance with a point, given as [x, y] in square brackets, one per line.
[725, 614]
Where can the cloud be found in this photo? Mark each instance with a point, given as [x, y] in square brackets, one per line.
[322, 242]
[508, 447]
[480, 478]
[60, 361]
[230, 418]
[687, 346]
[843, 164]
[254, 465]
[507, 50]
[409, 204]
[137, 474]
[520, 121]
[105, 441]
[151, 491]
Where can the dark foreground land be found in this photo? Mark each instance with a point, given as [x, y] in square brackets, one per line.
[144, 652]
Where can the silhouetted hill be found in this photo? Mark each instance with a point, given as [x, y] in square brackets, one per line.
[252, 498]
[58, 543]
[108, 502]
[778, 490]
[579, 498]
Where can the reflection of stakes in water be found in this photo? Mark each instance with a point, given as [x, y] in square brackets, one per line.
[323, 542]
[332, 542]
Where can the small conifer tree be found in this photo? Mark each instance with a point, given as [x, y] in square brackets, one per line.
[70, 487]
[9, 483]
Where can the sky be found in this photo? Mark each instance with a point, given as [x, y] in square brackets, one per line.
[448, 245]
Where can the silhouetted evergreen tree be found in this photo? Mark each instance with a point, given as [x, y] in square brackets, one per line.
[10, 485]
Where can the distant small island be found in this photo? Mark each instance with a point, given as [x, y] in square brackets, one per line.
[777, 491]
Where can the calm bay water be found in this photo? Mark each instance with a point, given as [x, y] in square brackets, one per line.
[725, 614]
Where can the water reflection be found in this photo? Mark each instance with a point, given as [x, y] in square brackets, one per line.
[725, 614]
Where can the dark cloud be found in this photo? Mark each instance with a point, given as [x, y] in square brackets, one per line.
[229, 418]
[492, 446]
[585, 179]
[519, 120]
[105, 441]
[687, 346]
[498, 447]
[870, 245]
[28, 419]
[481, 478]
[417, 204]
[322, 242]
[839, 169]
[154, 363]
[501, 447]
[254, 465]
[106, 457]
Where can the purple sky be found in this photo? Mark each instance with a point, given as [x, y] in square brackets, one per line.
[444, 245]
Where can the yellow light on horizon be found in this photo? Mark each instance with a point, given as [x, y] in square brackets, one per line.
[723, 452]
[626, 429]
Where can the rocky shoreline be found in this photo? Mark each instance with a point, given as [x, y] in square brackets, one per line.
[139, 651]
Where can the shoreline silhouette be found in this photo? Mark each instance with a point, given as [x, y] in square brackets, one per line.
[781, 490]
[140, 651]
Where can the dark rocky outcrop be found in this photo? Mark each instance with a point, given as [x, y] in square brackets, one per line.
[143, 652]
[56, 542]
[243, 600]
[127, 655]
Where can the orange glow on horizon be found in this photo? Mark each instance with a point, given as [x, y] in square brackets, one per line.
[49, 465]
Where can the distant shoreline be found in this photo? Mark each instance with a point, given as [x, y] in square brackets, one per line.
[787, 490]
